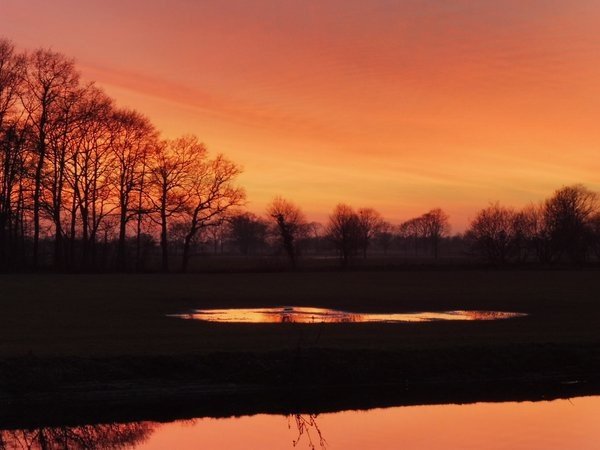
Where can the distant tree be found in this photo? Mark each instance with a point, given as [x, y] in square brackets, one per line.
[217, 233]
[594, 225]
[344, 230]
[492, 233]
[567, 215]
[434, 225]
[315, 235]
[412, 231]
[247, 231]
[289, 223]
[384, 237]
[369, 223]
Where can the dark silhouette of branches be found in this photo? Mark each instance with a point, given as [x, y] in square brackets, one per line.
[289, 223]
[305, 424]
[113, 436]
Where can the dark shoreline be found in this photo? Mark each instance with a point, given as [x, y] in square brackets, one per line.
[69, 391]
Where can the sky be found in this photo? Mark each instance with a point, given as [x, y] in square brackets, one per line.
[398, 105]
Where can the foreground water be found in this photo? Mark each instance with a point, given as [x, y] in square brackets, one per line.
[299, 314]
[552, 425]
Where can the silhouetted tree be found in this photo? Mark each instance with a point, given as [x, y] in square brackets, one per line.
[248, 232]
[210, 195]
[133, 138]
[344, 230]
[171, 171]
[435, 225]
[113, 436]
[594, 225]
[412, 230]
[384, 237]
[290, 225]
[567, 215]
[369, 222]
[13, 135]
[492, 233]
[49, 80]
[89, 174]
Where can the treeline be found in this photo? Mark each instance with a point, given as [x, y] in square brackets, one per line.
[83, 183]
[348, 235]
[564, 228]
[88, 186]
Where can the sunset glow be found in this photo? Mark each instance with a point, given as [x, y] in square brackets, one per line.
[401, 106]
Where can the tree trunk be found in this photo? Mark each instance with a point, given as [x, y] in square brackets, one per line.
[164, 242]
[121, 245]
[186, 251]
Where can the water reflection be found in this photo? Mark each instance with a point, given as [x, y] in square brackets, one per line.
[295, 314]
[554, 425]
[308, 430]
[114, 436]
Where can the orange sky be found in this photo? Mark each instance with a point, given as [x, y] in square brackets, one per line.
[399, 105]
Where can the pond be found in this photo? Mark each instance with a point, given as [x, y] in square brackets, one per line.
[297, 314]
[549, 425]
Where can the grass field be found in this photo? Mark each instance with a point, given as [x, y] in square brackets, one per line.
[95, 335]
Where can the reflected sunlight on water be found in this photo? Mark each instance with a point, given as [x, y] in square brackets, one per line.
[293, 314]
[548, 425]
[553, 425]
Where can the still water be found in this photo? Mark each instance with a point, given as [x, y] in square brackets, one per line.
[551, 425]
[297, 314]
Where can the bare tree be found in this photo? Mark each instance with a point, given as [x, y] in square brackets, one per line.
[48, 79]
[492, 233]
[12, 66]
[248, 232]
[344, 230]
[89, 437]
[435, 226]
[567, 215]
[290, 225]
[384, 236]
[594, 224]
[13, 136]
[210, 195]
[369, 222]
[133, 138]
[89, 172]
[412, 230]
[172, 168]
[63, 142]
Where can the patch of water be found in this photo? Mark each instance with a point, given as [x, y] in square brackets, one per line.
[299, 314]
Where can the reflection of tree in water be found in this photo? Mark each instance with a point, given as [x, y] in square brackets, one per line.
[307, 424]
[85, 437]
[296, 317]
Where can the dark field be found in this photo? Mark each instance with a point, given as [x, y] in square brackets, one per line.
[106, 336]
[88, 315]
